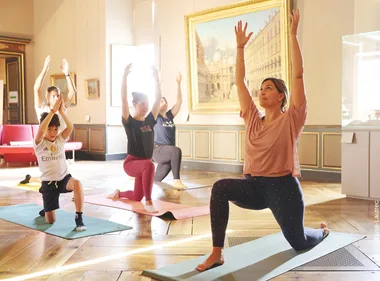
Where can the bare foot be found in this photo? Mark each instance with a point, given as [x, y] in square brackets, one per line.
[326, 231]
[114, 195]
[177, 183]
[149, 207]
[215, 259]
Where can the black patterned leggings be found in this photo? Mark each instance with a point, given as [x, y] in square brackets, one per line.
[282, 195]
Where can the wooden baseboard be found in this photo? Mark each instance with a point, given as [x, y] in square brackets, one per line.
[94, 156]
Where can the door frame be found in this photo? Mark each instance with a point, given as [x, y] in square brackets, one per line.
[15, 47]
[21, 87]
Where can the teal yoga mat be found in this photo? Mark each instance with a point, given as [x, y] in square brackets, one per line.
[261, 259]
[27, 215]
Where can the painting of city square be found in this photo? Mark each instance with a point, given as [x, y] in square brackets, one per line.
[213, 81]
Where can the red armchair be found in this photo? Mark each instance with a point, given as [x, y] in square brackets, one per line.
[24, 152]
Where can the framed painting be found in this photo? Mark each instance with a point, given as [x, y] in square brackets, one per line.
[59, 80]
[91, 87]
[211, 51]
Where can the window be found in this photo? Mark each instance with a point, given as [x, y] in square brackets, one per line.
[140, 78]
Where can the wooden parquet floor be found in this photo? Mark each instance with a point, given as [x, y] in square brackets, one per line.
[24, 251]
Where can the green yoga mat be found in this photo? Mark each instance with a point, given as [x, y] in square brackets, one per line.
[261, 259]
[64, 227]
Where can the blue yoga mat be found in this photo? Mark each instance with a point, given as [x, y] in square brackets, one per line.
[27, 215]
[261, 259]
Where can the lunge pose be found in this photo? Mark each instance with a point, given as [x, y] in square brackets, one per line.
[165, 153]
[140, 134]
[271, 158]
[56, 179]
[45, 102]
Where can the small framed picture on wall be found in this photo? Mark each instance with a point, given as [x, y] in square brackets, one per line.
[92, 88]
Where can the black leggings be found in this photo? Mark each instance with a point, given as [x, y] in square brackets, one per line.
[282, 195]
[168, 157]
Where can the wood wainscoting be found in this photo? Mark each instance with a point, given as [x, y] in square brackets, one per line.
[221, 148]
[94, 143]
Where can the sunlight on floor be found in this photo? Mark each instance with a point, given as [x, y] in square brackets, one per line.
[107, 258]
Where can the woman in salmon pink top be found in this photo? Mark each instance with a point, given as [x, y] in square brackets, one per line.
[271, 158]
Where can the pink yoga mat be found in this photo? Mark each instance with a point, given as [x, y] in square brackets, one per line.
[178, 211]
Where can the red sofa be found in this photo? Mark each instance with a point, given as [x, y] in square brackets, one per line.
[23, 152]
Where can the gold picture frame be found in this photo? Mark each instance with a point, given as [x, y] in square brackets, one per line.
[91, 87]
[59, 80]
[211, 52]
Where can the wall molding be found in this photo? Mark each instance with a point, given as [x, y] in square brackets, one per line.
[325, 148]
[94, 140]
[234, 151]
[182, 132]
[324, 153]
[316, 163]
[207, 145]
[316, 167]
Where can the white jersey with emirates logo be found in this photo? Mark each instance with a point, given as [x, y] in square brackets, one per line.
[51, 159]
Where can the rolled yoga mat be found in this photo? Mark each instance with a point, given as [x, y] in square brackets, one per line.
[64, 227]
[260, 259]
[178, 211]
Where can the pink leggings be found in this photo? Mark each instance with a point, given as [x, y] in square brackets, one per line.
[143, 172]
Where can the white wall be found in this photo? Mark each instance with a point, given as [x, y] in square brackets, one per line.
[321, 34]
[82, 31]
[366, 17]
[119, 30]
[16, 18]
[323, 23]
[74, 30]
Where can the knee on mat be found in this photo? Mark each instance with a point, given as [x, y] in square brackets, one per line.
[298, 246]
